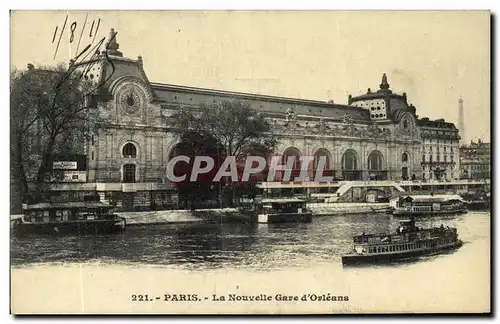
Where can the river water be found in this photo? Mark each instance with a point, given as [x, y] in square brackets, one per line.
[289, 258]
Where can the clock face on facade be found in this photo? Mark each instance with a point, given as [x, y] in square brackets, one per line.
[130, 101]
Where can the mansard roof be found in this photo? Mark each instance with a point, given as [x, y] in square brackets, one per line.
[245, 95]
[362, 113]
[438, 123]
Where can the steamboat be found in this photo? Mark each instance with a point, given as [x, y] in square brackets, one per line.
[67, 218]
[409, 241]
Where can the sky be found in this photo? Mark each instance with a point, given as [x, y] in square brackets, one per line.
[436, 57]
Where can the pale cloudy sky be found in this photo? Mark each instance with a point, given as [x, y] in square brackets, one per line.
[435, 57]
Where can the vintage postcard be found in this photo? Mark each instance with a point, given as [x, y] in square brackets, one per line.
[250, 162]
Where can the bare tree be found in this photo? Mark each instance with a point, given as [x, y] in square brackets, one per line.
[50, 111]
[233, 128]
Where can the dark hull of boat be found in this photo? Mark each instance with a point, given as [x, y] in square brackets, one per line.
[359, 259]
[65, 228]
[427, 213]
[478, 206]
[286, 218]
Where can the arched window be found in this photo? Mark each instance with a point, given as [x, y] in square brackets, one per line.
[349, 160]
[375, 161]
[322, 154]
[405, 157]
[129, 150]
[289, 152]
[405, 124]
[129, 173]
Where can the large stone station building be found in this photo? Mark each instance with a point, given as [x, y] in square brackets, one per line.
[375, 136]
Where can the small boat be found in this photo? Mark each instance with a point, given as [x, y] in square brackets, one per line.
[426, 205]
[408, 241]
[478, 204]
[67, 218]
[477, 201]
[283, 210]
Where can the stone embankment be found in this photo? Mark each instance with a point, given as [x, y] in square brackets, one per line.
[227, 215]
[224, 215]
[333, 209]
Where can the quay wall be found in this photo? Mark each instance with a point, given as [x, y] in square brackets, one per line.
[347, 208]
[182, 216]
[226, 215]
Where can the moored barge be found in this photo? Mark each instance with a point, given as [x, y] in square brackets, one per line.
[283, 210]
[68, 218]
[408, 241]
[426, 205]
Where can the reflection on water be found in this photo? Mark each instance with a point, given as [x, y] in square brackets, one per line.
[200, 246]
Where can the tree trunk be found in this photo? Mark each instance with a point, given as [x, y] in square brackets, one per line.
[43, 170]
[229, 194]
[20, 178]
[22, 182]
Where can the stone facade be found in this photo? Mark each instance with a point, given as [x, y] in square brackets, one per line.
[377, 135]
[440, 150]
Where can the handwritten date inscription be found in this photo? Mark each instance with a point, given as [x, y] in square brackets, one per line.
[94, 29]
[89, 53]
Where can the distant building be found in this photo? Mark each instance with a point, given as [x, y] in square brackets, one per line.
[440, 149]
[475, 160]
